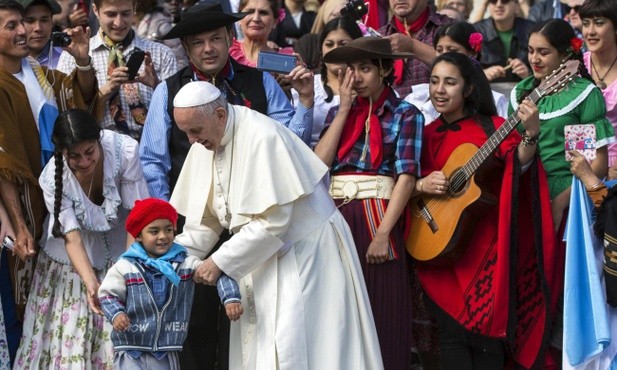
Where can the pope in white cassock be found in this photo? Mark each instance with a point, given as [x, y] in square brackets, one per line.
[304, 298]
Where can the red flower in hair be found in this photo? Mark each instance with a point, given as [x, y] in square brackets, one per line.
[281, 15]
[575, 45]
[475, 41]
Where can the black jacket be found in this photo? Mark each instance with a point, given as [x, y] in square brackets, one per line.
[493, 51]
[545, 10]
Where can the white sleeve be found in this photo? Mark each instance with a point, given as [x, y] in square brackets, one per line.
[255, 243]
[200, 239]
[67, 216]
[133, 185]
[113, 283]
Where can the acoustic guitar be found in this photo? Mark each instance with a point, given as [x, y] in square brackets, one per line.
[442, 225]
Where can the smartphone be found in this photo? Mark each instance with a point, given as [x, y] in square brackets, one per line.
[274, 62]
[134, 62]
[8, 242]
[81, 4]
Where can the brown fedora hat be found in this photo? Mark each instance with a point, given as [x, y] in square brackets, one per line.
[199, 19]
[369, 47]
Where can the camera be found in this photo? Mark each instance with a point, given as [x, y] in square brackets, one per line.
[355, 9]
[8, 243]
[60, 39]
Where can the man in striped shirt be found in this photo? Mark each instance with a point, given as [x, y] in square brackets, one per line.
[127, 101]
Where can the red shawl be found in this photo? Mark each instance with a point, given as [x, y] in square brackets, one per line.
[495, 290]
[412, 28]
[357, 124]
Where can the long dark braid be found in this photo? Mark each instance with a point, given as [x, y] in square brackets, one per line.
[346, 24]
[57, 228]
[72, 127]
[324, 81]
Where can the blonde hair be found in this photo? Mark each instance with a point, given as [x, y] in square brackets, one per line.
[327, 8]
[440, 4]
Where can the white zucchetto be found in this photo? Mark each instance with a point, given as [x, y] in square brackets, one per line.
[196, 93]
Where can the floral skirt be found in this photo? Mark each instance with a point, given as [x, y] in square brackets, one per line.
[60, 331]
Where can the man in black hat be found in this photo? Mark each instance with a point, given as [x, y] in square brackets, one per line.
[38, 24]
[206, 35]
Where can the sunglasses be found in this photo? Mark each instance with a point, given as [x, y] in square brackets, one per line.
[576, 8]
[504, 2]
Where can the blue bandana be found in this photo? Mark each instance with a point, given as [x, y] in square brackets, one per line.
[162, 264]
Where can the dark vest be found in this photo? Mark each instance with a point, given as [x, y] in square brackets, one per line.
[246, 81]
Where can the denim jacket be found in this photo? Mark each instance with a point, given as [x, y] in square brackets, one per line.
[151, 329]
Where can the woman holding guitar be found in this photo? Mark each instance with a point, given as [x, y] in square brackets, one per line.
[551, 43]
[476, 294]
[372, 144]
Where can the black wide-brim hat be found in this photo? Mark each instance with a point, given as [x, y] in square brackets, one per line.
[202, 18]
[370, 47]
[52, 4]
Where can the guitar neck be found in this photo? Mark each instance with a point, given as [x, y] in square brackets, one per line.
[497, 138]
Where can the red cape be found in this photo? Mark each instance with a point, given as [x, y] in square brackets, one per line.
[506, 284]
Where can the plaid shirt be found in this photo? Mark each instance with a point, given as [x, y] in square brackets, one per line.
[401, 125]
[415, 71]
[165, 65]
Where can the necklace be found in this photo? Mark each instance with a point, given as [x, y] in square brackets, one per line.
[83, 183]
[226, 196]
[90, 187]
[601, 84]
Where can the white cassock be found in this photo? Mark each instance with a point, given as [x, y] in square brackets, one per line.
[292, 253]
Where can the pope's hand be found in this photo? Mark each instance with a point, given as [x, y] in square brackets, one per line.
[207, 273]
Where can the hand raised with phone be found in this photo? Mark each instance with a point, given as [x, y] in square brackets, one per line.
[148, 76]
[129, 73]
[293, 71]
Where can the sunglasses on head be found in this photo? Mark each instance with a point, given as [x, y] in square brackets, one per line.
[504, 2]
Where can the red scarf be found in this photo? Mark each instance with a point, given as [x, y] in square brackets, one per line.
[358, 121]
[414, 27]
[223, 73]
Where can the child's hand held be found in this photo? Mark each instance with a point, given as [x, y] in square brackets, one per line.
[121, 322]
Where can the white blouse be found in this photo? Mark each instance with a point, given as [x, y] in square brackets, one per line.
[320, 107]
[102, 227]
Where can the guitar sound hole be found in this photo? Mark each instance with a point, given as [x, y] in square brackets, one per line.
[458, 183]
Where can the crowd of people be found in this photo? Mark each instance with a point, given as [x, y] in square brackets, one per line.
[386, 204]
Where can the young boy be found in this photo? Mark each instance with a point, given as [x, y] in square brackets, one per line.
[147, 295]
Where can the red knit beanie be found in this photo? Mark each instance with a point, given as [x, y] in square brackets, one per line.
[148, 210]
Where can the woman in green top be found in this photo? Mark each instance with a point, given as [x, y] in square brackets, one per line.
[552, 42]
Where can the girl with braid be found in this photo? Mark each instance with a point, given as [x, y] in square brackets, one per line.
[551, 43]
[337, 32]
[89, 187]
